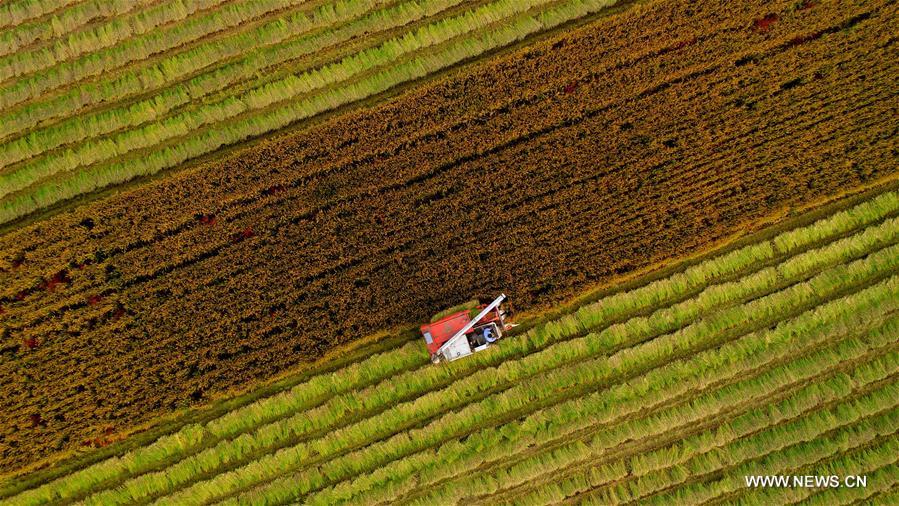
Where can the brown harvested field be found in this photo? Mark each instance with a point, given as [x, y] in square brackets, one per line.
[636, 138]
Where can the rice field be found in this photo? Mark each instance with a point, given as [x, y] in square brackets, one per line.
[780, 355]
[183, 113]
[222, 221]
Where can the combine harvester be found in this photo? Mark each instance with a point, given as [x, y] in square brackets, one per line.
[457, 334]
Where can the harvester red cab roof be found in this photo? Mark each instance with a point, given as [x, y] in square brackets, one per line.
[463, 330]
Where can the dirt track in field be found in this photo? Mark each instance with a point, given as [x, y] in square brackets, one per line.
[635, 139]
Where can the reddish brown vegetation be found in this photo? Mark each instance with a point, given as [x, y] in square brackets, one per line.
[763, 25]
[243, 234]
[487, 181]
[206, 219]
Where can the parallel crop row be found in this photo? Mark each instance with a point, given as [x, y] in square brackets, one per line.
[293, 103]
[18, 11]
[261, 97]
[882, 474]
[620, 413]
[552, 387]
[765, 429]
[63, 22]
[291, 37]
[698, 280]
[139, 47]
[792, 455]
[97, 37]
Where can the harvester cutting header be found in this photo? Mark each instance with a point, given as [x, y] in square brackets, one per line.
[463, 330]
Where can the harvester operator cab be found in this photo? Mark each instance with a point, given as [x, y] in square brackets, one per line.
[462, 330]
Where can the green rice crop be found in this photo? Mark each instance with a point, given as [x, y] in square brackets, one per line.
[196, 143]
[139, 47]
[271, 93]
[785, 453]
[617, 411]
[18, 11]
[113, 31]
[288, 38]
[700, 455]
[61, 23]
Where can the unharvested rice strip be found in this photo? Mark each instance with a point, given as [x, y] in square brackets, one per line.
[180, 95]
[503, 458]
[84, 14]
[16, 12]
[200, 124]
[380, 451]
[145, 49]
[537, 71]
[551, 185]
[90, 39]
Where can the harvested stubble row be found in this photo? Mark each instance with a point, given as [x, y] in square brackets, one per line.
[210, 66]
[31, 33]
[211, 124]
[271, 473]
[30, 61]
[20, 11]
[568, 347]
[305, 37]
[558, 422]
[192, 133]
[354, 205]
[201, 22]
